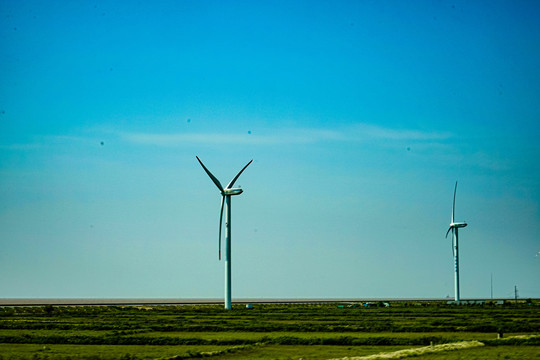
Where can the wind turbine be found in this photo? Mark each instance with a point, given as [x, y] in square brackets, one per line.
[226, 194]
[454, 226]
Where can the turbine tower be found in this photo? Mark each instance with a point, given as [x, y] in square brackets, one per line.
[454, 226]
[226, 194]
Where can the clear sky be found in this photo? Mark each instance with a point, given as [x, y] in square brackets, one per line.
[360, 117]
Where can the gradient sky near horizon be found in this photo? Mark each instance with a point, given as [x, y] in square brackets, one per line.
[360, 117]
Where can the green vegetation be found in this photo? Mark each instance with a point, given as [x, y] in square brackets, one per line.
[271, 331]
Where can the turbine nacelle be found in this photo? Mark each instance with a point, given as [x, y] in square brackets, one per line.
[455, 226]
[229, 192]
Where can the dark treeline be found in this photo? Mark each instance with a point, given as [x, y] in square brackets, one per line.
[279, 340]
[130, 320]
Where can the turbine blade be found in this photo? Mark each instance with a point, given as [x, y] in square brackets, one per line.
[454, 204]
[220, 222]
[214, 179]
[236, 177]
[450, 228]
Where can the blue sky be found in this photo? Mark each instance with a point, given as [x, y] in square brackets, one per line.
[360, 116]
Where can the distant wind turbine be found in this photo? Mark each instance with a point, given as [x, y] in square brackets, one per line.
[454, 226]
[226, 194]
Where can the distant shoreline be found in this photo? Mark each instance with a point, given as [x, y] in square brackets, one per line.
[166, 301]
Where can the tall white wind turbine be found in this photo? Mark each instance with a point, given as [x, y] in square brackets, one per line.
[454, 226]
[226, 194]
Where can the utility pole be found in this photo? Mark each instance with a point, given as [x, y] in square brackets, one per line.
[515, 293]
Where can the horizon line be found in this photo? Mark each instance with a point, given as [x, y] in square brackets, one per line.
[216, 301]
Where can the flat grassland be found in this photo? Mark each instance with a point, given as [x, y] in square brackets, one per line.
[268, 331]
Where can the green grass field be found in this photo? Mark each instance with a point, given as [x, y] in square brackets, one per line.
[284, 331]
